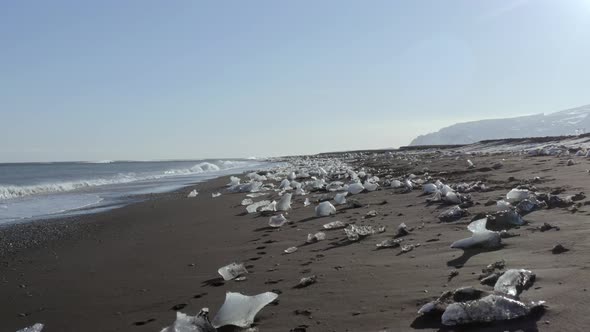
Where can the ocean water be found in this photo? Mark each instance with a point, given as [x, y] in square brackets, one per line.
[42, 190]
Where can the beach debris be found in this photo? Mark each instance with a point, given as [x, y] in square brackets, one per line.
[192, 194]
[402, 230]
[340, 198]
[355, 188]
[233, 181]
[491, 268]
[306, 281]
[334, 225]
[481, 237]
[452, 214]
[313, 238]
[325, 209]
[232, 271]
[487, 309]
[290, 250]
[239, 310]
[497, 165]
[559, 249]
[355, 233]
[306, 202]
[514, 281]
[371, 214]
[354, 203]
[284, 203]
[516, 195]
[255, 206]
[389, 243]
[35, 328]
[277, 221]
[214, 195]
[246, 201]
[186, 323]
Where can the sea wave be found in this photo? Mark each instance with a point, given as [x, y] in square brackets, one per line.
[14, 191]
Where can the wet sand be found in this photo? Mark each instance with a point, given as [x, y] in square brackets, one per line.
[124, 270]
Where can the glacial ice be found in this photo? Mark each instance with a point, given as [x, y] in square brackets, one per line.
[284, 203]
[186, 323]
[355, 188]
[325, 209]
[192, 194]
[231, 271]
[254, 206]
[239, 310]
[277, 221]
[35, 328]
[340, 198]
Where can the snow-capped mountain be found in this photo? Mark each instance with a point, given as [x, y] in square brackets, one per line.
[568, 122]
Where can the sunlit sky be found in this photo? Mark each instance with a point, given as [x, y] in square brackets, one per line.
[112, 79]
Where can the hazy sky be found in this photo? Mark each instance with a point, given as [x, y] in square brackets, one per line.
[119, 79]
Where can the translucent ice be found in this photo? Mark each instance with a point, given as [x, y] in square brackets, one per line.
[284, 203]
[488, 309]
[239, 310]
[340, 198]
[232, 271]
[355, 188]
[325, 209]
[277, 221]
[35, 328]
[185, 323]
[517, 195]
[193, 193]
[255, 206]
[513, 282]
[334, 225]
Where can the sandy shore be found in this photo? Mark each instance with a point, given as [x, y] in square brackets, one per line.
[125, 270]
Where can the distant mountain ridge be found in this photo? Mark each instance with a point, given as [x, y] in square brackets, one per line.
[568, 122]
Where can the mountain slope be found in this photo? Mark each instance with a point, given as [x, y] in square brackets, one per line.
[553, 124]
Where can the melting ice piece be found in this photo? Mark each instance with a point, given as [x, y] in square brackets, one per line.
[325, 209]
[502, 205]
[239, 310]
[340, 198]
[470, 164]
[253, 186]
[271, 207]
[389, 243]
[355, 188]
[254, 206]
[306, 281]
[247, 201]
[313, 238]
[395, 184]
[513, 281]
[192, 194]
[488, 309]
[285, 184]
[290, 250]
[452, 214]
[215, 195]
[429, 188]
[517, 195]
[334, 225]
[185, 323]
[277, 221]
[452, 198]
[355, 233]
[284, 203]
[306, 202]
[254, 195]
[232, 271]
[370, 186]
[291, 176]
[234, 181]
[481, 238]
[35, 328]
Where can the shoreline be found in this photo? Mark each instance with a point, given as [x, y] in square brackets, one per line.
[128, 269]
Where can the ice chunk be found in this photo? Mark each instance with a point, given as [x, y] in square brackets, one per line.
[452, 214]
[215, 195]
[355, 233]
[335, 186]
[254, 206]
[306, 281]
[488, 309]
[395, 184]
[503, 205]
[470, 164]
[389, 243]
[285, 184]
[452, 198]
[247, 201]
[253, 186]
[340, 198]
[239, 310]
[334, 225]
[254, 195]
[36, 328]
[517, 195]
[478, 225]
[192, 194]
[370, 186]
[485, 239]
[271, 207]
[277, 221]
[232, 271]
[290, 250]
[284, 203]
[325, 209]
[355, 188]
[185, 323]
[429, 188]
[313, 238]
[513, 282]
[306, 202]
[291, 176]
[234, 181]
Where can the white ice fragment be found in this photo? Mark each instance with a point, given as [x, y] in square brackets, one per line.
[284, 203]
[502, 205]
[185, 323]
[277, 221]
[370, 186]
[285, 184]
[325, 209]
[491, 308]
[232, 271]
[340, 198]
[291, 176]
[313, 238]
[517, 195]
[306, 202]
[334, 225]
[485, 239]
[215, 195]
[254, 195]
[429, 188]
[247, 201]
[452, 198]
[355, 233]
[234, 181]
[192, 194]
[35, 328]
[395, 184]
[254, 206]
[478, 225]
[239, 310]
[514, 281]
[290, 250]
[271, 207]
[355, 188]
[470, 164]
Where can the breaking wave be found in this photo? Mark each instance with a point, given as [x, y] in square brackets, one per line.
[15, 191]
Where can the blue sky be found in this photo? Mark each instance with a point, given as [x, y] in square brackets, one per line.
[149, 79]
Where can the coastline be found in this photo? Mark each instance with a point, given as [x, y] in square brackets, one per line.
[126, 269]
